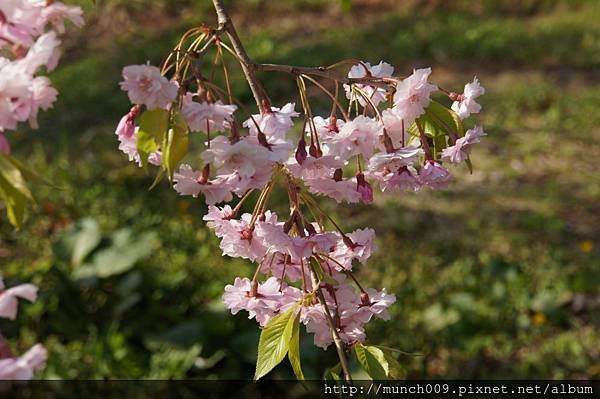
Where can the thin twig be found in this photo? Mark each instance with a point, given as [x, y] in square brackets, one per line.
[325, 72]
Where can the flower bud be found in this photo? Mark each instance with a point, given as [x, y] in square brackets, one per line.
[311, 229]
[332, 127]
[203, 178]
[314, 151]
[246, 234]
[364, 299]
[364, 188]
[338, 175]
[301, 151]
[262, 139]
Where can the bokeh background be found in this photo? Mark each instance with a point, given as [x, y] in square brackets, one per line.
[496, 277]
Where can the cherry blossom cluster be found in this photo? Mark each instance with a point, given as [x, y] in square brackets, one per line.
[392, 135]
[286, 260]
[22, 367]
[387, 154]
[29, 42]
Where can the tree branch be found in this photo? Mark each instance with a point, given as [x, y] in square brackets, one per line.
[326, 73]
[226, 24]
[339, 345]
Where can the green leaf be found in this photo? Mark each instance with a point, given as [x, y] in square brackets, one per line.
[333, 373]
[321, 275]
[175, 145]
[395, 369]
[13, 176]
[438, 122]
[153, 128]
[294, 349]
[85, 240]
[445, 118]
[274, 341]
[30, 174]
[15, 202]
[372, 360]
[157, 179]
[469, 165]
[121, 256]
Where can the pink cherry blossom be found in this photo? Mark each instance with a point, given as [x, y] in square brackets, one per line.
[462, 147]
[245, 158]
[57, 12]
[359, 136]
[15, 94]
[412, 95]
[465, 104]
[44, 52]
[393, 161]
[206, 116]
[23, 367]
[218, 218]
[126, 126]
[375, 94]
[377, 305]
[238, 237]
[145, 85]
[240, 185]
[14, 28]
[362, 247]
[43, 97]
[314, 168]
[274, 123]
[326, 129]
[9, 298]
[396, 128]
[313, 317]
[267, 299]
[340, 191]
[283, 266]
[434, 175]
[405, 178]
[187, 182]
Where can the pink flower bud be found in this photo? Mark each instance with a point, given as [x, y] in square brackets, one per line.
[364, 188]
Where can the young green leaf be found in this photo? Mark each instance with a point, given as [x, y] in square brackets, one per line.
[15, 202]
[321, 275]
[274, 341]
[176, 146]
[153, 128]
[13, 177]
[333, 373]
[29, 174]
[294, 349]
[372, 360]
[445, 118]
[395, 369]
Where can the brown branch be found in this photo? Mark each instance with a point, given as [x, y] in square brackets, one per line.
[226, 24]
[325, 72]
[339, 345]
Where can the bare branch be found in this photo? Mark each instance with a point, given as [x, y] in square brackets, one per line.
[326, 73]
[226, 24]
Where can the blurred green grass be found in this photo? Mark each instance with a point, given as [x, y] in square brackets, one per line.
[496, 277]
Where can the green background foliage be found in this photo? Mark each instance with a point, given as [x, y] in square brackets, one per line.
[496, 277]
